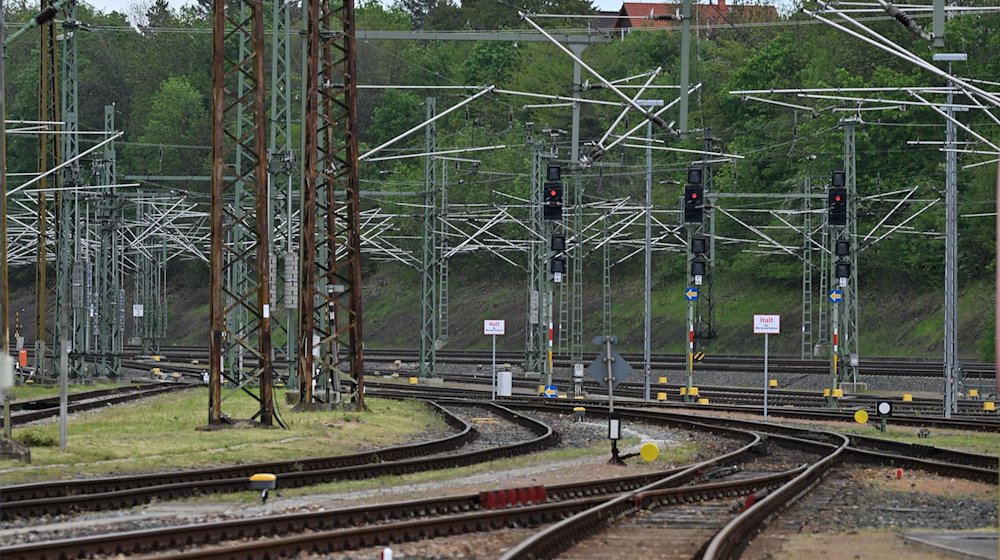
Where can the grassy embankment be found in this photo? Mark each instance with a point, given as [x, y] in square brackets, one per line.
[162, 433]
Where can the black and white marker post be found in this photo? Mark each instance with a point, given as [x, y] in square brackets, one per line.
[611, 369]
[614, 421]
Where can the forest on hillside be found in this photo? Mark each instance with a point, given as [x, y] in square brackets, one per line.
[153, 64]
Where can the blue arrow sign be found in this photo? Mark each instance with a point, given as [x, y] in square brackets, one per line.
[836, 296]
[551, 391]
[691, 294]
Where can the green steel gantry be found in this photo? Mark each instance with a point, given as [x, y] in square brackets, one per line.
[69, 318]
[428, 276]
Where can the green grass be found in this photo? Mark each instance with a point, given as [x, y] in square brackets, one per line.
[163, 433]
[971, 442]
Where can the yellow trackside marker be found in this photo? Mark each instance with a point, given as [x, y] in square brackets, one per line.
[663, 380]
[156, 358]
[694, 391]
[838, 393]
[861, 417]
[907, 397]
[263, 477]
[562, 396]
[702, 401]
[973, 393]
[684, 391]
[156, 371]
[772, 383]
[661, 396]
[826, 392]
[649, 452]
[541, 389]
[414, 380]
[989, 406]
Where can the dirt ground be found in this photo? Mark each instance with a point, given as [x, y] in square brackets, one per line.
[857, 545]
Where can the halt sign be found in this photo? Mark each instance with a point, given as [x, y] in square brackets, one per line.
[495, 327]
[767, 324]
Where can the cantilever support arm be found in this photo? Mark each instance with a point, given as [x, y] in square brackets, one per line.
[649, 115]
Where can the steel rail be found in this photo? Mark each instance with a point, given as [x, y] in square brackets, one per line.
[532, 515]
[730, 541]
[201, 534]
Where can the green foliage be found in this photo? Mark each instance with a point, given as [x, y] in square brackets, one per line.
[490, 63]
[178, 116]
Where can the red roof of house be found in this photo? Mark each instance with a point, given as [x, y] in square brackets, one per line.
[663, 15]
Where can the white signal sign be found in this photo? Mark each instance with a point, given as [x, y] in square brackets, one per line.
[767, 324]
[495, 327]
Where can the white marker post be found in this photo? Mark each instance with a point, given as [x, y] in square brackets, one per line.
[494, 328]
[766, 325]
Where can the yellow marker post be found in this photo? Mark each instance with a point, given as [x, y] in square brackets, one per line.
[907, 397]
[772, 383]
[838, 393]
[661, 396]
[989, 406]
[663, 380]
[973, 393]
[649, 452]
[693, 392]
[861, 417]
[263, 482]
[703, 401]
[414, 380]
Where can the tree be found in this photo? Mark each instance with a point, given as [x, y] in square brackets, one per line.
[176, 129]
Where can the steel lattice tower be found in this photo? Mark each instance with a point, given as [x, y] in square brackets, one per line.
[330, 293]
[428, 276]
[69, 270]
[850, 347]
[109, 281]
[282, 167]
[534, 348]
[48, 157]
[246, 143]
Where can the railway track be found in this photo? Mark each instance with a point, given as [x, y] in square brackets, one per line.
[711, 362]
[968, 422]
[122, 492]
[575, 511]
[26, 411]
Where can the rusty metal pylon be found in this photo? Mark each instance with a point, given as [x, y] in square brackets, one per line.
[330, 288]
[240, 309]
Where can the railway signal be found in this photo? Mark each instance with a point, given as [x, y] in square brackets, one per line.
[694, 212]
[838, 206]
[552, 195]
[698, 249]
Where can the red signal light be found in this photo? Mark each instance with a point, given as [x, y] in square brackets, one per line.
[694, 195]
